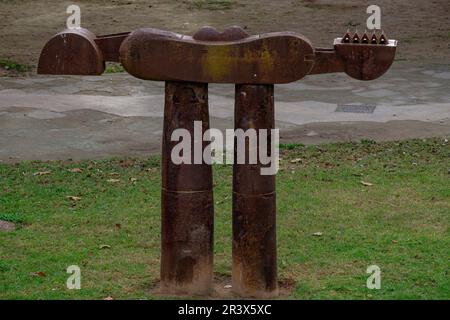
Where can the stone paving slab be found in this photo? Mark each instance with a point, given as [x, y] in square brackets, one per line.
[75, 117]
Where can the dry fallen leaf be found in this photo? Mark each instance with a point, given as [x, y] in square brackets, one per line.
[366, 184]
[317, 234]
[109, 298]
[38, 274]
[126, 163]
[296, 160]
[105, 246]
[73, 198]
[41, 173]
[113, 180]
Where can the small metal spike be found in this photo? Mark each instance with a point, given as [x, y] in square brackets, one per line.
[383, 39]
[365, 38]
[374, 39]
[346, 37]
[355, 38]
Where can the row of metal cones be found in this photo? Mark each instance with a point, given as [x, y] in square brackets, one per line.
[364, 38]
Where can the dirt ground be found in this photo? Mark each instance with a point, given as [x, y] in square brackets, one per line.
[80, 120]
[422, 27]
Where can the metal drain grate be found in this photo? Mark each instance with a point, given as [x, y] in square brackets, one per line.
[356, 108]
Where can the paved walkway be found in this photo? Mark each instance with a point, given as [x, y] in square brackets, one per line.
[93, 117]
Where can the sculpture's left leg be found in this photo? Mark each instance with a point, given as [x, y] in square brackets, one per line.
[187, 210]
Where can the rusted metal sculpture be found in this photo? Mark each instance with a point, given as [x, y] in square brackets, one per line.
[187, 64]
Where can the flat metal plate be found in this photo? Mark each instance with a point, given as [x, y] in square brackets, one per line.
[356, 108]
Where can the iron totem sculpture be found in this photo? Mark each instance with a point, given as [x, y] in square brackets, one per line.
[187, 64]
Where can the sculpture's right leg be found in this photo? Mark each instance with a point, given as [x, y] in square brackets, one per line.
[254, 201]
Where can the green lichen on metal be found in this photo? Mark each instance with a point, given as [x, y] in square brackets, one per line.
[222, 62]
[217, 62]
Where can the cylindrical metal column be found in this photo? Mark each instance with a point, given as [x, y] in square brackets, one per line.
[254, 232]
[187, 211]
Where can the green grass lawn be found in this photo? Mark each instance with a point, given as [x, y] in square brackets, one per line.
[385, 204]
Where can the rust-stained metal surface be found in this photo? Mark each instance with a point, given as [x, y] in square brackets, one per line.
[365, 61]
[208, 33]
[269, 58]
[357, 56]
[254, 201]
[110, 45]
[326, 61]
[231, 56]
[74, 52]
[187, 214]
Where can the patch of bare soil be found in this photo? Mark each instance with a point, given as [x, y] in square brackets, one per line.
[422, 27]
[7, 226]
[224, 291]
[330, 132]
